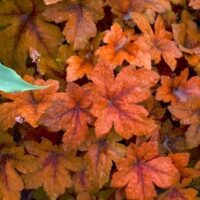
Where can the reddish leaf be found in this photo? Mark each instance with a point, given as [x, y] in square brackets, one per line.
[115, 100]
[70, 112]
[179, 194]
[141, 169]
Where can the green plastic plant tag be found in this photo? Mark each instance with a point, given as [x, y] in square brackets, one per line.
[10, 81]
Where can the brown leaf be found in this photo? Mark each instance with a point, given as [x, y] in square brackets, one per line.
[25, 31]
[80, 17]
[186, 34]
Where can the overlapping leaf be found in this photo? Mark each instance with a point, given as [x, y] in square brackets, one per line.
[115, 100]
[70, 112]
[29, 105]
[123, 46]
[179, 88]
[147, 7]
[54, 168]
[80, 16]
[188, 114]
[24, 32]
[159, 42]
[141, 169]
[13, 162]
[99, 159]
[186, 34]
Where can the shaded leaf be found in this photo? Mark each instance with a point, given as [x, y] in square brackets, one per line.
[13, 163]
[186, 34]
[80, 17]
[24, 23]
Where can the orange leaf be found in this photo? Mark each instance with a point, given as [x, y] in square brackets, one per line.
[158, 43]
[179, 194]
[77, 68]
[29, 105]
[54, 168]
[186, 112]
[121, 46]
[141, 169]
[99, 159]
[195, 4]
[70, 112]
[80, 17]
[13, 163]
[186, 34]
[115, 100]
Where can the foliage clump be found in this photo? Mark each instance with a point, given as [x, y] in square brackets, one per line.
[120, 118]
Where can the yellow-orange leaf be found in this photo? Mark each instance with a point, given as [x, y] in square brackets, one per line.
[54, 166]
